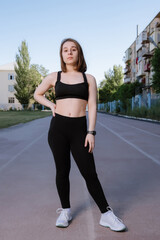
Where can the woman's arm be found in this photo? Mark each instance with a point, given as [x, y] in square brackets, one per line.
[92, 111]
[46, 84]
[92, 103]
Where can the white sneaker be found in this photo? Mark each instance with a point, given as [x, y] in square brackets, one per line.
[108, 219]
[64, 217]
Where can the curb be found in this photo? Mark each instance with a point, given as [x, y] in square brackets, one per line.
[131, 117]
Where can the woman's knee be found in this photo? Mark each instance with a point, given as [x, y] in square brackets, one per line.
[63, 173]
[90, 176]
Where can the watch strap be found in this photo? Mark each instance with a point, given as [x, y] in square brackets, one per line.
[92, 132]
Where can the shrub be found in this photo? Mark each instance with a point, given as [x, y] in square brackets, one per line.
[118, 109]
[143, 112]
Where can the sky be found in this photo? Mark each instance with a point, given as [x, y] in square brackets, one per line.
[105, 29]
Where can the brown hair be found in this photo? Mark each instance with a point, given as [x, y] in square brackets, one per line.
[81, 64]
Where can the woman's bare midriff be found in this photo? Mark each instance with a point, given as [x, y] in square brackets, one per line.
[71, 107]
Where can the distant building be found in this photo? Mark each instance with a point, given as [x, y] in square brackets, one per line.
[138, 55]
[7, 81]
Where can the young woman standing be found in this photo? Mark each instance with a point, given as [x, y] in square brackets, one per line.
[68, 130]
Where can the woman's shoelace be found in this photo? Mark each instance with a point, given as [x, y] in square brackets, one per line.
[115, 217]
[63, 214]
[59, 210]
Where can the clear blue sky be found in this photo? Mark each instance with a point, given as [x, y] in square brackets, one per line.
[104, 28]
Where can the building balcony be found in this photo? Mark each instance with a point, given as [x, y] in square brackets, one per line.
[147, 67]
[156, 37]
[127, 70]
[144, 38]
[141, 39]
[146, 53]
[140, 69]
[128, 55]
[157, 24]
[151, 30]
[127, 80]
[140, 75]
[140, 72]
[133, 70]
[142, 80]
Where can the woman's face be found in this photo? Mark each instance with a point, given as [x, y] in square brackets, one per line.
[70, 53]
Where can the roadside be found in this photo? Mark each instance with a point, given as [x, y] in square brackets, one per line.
[130, 117]
[10, 118]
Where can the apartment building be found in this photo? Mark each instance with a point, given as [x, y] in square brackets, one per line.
[7, 81]
[138, 55]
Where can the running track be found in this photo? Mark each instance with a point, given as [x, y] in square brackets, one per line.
[127, 156]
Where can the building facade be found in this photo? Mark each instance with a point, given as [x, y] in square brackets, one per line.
[7, 81]
[138, 55]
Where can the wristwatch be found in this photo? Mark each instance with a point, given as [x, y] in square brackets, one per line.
[92, 132]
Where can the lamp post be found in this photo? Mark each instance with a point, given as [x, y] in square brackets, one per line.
[153, 42]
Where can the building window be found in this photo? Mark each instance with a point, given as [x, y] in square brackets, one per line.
[11, 100]
[10, 76]
[10, 88]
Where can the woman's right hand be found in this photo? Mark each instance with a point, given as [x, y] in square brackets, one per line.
[53, 109]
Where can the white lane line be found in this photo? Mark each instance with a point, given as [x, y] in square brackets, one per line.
[23, 150]
[142, 130]
[131, 144]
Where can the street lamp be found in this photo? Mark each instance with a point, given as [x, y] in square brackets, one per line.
[153, 42]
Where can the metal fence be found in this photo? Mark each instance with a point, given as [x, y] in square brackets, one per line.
[155, 99]
[146, 100]
[138, 101]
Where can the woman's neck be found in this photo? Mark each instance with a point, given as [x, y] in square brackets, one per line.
[70, 68]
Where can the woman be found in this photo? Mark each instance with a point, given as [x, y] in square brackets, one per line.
[68, 130]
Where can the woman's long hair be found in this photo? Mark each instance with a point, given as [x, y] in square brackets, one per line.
[81, 64]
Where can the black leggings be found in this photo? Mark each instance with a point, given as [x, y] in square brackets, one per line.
[68, 134]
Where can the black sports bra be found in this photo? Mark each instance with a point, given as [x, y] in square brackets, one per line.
[64, 90]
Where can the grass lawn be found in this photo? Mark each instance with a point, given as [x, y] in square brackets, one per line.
[10, 118]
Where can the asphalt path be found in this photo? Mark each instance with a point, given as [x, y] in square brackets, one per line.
[127, 157]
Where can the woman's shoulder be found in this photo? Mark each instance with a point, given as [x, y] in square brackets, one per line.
[52, 77]
[90, 78]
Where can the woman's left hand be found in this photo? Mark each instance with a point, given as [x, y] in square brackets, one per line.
[91, 140]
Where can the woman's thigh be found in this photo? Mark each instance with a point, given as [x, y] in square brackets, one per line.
[83, 158]
[59, 145]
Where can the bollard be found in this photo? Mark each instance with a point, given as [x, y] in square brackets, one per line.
[149, 100]
[140, 100]
[133, 102]
[110, 103]
[114, 102]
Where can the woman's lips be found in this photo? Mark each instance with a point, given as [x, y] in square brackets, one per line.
[69, 57]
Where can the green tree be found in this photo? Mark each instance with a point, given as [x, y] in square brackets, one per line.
[22, 74]
[108, 87]
[127, 91]
[36, 75]
[155, 62]
[28, 77]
